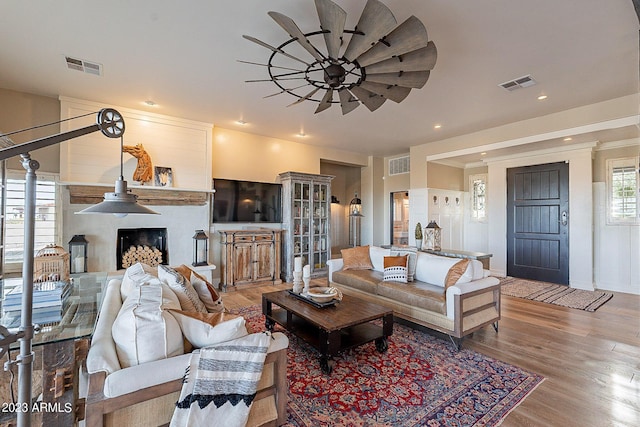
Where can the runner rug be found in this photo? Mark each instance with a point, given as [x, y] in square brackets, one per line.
[420, 381]
[554, 294]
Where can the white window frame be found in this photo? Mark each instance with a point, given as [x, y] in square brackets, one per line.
[16, 266]
[632, 164]
[476, 215]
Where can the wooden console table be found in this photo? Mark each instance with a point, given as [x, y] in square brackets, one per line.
[484, 258]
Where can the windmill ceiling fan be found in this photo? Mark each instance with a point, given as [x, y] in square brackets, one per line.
[381, 60]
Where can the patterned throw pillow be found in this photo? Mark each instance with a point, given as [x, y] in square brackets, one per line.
[356, 258]
[455, 272]
[395, 268]
[413, 259]
[187, 295]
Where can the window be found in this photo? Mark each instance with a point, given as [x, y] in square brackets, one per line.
[478, 190]
[47, 216]
[622, 190]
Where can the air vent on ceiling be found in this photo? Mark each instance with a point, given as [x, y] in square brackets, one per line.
[84, 66]
[520, 82]
[399, 165]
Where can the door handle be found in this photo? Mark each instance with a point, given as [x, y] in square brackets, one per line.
[563, 218]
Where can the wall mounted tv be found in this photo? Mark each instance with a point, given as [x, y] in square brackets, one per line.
[246, 201]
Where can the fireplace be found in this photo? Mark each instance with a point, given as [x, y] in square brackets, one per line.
[146, 245]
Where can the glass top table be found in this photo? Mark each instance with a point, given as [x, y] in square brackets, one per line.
[78, 317]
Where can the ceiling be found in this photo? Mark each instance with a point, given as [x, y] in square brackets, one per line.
[184, 57]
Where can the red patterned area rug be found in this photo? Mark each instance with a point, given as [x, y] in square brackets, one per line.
[420, 381]
[554, 294]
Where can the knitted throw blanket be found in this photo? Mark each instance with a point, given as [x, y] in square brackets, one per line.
[221, 382]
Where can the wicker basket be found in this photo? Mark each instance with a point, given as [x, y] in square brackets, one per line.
[51, 263]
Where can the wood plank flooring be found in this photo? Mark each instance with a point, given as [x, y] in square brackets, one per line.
[591, 361]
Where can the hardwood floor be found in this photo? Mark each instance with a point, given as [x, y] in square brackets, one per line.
[590, 361]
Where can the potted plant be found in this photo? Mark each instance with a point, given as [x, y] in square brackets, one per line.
[418, 236]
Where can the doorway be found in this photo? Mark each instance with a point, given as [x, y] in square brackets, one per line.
[538, 222]
[399, 218]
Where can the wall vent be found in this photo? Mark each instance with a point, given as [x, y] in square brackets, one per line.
[519, 83]
[399, 165]
[84, 66]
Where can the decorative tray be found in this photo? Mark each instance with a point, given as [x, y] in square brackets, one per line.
[308, 300]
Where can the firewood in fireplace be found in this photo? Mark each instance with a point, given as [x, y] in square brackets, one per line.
[145, 254]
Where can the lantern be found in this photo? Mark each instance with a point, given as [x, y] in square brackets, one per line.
[200, 248]
[433, 236]
[78, 254]
[355, 215]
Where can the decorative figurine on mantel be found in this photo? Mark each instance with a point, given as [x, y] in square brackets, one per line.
[418, 236]
[144, 169]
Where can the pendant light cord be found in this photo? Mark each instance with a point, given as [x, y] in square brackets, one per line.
[121, 156]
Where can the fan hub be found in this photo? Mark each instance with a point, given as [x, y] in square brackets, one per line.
[334, 75]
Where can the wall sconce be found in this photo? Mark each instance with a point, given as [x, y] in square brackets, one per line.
[200, 248]
[78, 254]
[433, 236]
[335, 200]
[355, 215]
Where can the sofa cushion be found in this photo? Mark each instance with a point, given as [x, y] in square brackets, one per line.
[416, 294]
[365, 280]
[144, 331]
[356, 258]
[187, 295]
[395, 268]
[434, 269]
[207, 293]
[204, 329]
[136, 275]
[377, 255]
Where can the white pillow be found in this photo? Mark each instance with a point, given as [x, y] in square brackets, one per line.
[136, 275]
[189, 299]
[205, 329]
[377, 254]
[144, 331]
[413, 259]
[207, 293]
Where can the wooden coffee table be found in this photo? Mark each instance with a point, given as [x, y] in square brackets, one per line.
[332, 329]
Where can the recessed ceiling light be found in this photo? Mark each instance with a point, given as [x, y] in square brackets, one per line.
[241, 122]
[301, 134]
[484, 153]
[542, 97]
[567, 139]
[150, 103]
[437, 126]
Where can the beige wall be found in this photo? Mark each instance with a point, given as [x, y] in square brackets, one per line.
[444, 177]
[21, 111]
[240, 155]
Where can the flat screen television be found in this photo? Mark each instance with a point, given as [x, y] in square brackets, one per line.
[246, 201]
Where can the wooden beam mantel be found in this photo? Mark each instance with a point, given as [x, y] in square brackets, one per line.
[93, 194]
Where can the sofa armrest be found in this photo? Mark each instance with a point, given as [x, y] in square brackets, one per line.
[102, 353]
[465, 288]
[334, 265]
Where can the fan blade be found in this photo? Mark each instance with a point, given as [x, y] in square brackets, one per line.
[418, 60]
[370, 100]
[267, 65]
[347, 101]
[268, 46]
[326, 102]
[285, 90]
[304, 98]
[409, 36]
[413, 79]
[332, 19]
[375, 22]
[292, 29]
[394, 93]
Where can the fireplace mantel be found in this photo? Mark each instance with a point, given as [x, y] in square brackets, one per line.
[93, 194]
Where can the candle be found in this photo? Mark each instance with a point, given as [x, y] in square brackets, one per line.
[306, 271]
[79, 265]
[297, 263]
